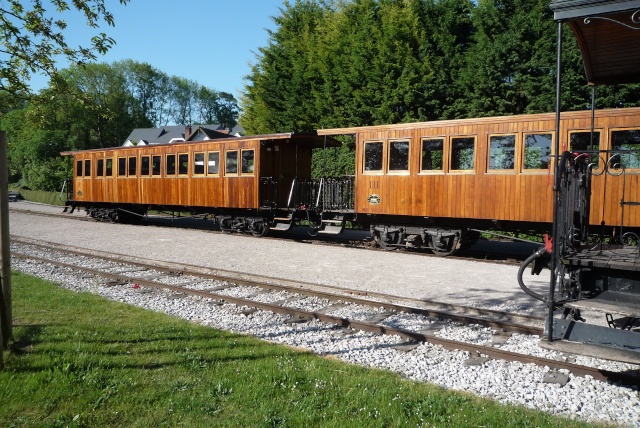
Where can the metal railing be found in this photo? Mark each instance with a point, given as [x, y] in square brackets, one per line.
[335, 194]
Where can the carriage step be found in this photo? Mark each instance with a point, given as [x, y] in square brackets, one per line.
[331, 230]
[281, 226]
[282, 218]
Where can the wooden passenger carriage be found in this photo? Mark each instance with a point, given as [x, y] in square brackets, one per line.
[427, 184]
[242, 180]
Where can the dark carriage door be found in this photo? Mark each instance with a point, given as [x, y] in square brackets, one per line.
[270, 165]
[277, 172]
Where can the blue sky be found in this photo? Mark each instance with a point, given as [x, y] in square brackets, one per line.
[211, 42]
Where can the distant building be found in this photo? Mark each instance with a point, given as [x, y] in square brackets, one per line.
[175, 134]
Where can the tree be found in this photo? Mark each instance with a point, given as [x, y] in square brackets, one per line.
[145, 85]
[183, 100]
[510, 68]
[32, 39]
[286, 79]
[226, 110]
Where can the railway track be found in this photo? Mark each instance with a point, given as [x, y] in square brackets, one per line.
[304, 302]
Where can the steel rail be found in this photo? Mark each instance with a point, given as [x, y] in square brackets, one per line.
[451, 345]
[487, 318]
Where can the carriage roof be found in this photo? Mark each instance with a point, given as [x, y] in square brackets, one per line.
[607, 32]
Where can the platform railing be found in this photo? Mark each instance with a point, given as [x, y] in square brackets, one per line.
[323, 194]
[304, 192]
[338, 194]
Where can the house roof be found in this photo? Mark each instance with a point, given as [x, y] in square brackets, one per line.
[608, 33]
[310, 139]
[167, 134]
[204, 133]
[160, 135]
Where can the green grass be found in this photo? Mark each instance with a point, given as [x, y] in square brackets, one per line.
[51, 198]
[79, 360]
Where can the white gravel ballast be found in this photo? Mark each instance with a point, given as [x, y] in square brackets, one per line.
[581, 397]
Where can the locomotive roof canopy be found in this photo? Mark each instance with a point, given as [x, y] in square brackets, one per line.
[310, 139]
[608, 33]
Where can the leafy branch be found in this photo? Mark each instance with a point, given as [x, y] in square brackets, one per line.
[33, 40]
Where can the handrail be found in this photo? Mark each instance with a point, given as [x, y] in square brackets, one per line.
[64, 186]
[320, 193]
[293, 186]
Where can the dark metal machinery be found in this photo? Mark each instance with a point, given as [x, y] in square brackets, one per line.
[601, 277]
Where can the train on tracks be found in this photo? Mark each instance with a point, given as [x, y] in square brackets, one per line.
[432, 185]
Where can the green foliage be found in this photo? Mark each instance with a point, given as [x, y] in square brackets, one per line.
[33, 36]
[334, 161]
[78, 360]
[100, 106]
[340, 63]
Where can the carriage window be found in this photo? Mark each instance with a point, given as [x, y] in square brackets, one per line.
[155, 164]
[502, 151]
[247, 161]
[432, 154]
[399, 156]
[581, 141]
[198, 163]
[183, 164]
[628, 144]
[122, 167]
[87, 168]
[133, 165]
[537, 151]
[100, 168]
[79, 168]
[144, 165]
[171, 165]
[231, 163]
[462, 155]
[109, 167]
[373, 156]
[213, 165]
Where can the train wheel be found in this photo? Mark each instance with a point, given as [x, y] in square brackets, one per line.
[446, 247]
[386, 240]
[259, 228]
[226, 224]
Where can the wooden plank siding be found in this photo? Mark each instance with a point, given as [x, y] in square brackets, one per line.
[230, 190]
[281, 157]
[520, 194]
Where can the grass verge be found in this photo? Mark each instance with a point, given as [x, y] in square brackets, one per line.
[79, 360]
[40, 196]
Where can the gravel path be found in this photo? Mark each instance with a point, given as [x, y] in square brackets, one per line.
[483, 284]
[449, 280]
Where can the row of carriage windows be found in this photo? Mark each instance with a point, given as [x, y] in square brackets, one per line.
[237, 162]
[460, 152]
